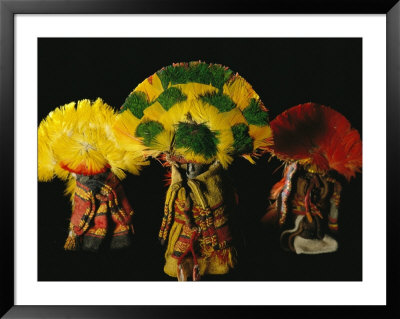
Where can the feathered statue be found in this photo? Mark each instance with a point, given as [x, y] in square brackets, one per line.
[196, 117]
[317, 144]
[76, 144]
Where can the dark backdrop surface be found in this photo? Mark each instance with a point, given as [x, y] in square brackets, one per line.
[284, 72]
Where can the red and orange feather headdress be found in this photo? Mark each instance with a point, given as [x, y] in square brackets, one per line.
[318, 137]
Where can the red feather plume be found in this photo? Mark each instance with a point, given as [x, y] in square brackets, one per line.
[318, 135]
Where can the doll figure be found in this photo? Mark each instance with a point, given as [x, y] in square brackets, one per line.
[199, 206]
[76, 145]
[318, 146]
[196, 117]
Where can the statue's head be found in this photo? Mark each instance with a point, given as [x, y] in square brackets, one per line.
[195, 169]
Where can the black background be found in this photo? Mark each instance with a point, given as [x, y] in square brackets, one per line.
[284, 72]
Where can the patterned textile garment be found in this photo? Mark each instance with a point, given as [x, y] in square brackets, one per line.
[307, 212]
[316, 143]
[100, 210]
[196, 225]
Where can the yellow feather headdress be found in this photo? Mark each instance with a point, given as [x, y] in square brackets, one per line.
[79, 139]
[196, 111]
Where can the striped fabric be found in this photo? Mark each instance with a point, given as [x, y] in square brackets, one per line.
[100, 209]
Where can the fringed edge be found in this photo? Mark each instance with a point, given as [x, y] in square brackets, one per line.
[72, 242]
[180, 273]
[226, 256]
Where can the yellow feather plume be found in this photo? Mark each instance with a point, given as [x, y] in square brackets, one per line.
[193, 90]
[262, 136]
[240, 91]
[152, 87]
[80, 140]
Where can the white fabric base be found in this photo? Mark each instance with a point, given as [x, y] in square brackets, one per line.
[315, 246]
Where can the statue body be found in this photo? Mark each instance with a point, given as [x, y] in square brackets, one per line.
[196, 222]
[308, 211]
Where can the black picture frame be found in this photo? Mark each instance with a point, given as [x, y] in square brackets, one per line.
[8, 10]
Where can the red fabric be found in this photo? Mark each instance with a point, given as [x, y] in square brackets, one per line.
[100, 221]
[116, 185]
[114, 203]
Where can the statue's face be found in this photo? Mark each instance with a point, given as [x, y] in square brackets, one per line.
[194, 169]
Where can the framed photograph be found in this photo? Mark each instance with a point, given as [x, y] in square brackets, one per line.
[345, 56]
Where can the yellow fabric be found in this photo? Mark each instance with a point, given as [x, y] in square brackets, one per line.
[207, 266]
[209, 195]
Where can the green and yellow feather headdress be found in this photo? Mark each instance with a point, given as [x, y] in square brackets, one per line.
[196, 111]
[78, 138]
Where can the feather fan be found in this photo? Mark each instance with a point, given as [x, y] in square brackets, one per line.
[318, 137]
[201, 112]
[79, 139]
